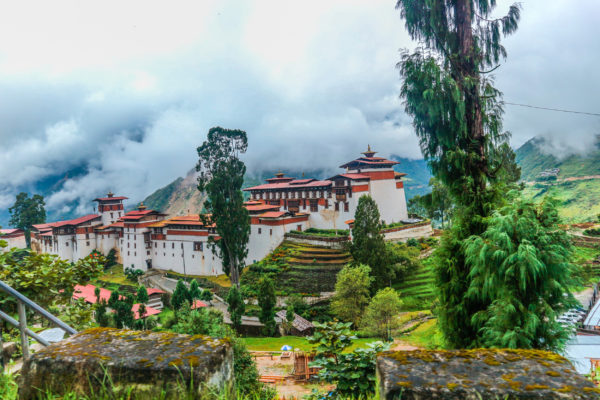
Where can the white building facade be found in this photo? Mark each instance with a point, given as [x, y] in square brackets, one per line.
[145, 239]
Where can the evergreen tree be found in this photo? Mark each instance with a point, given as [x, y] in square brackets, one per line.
[521, 267]
[368, 246]
[180, 295]
[267, 302]
[142, 295]
[457, 115]
[351, 293]
[26, 212]
[206, 295]
[235, 306]
[221, 178]
[194, 292]
[121, 305]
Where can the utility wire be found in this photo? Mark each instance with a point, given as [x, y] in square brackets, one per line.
[554, 109]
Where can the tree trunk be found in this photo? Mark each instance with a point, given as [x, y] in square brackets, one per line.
[468, 69]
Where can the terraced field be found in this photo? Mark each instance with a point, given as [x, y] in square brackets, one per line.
[417, 289]
[300, 268]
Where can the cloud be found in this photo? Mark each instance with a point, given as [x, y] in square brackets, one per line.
[126, 97]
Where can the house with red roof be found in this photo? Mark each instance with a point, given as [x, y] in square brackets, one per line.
[14, 238]
[87, 292]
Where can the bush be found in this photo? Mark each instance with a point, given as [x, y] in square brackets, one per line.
[132, 274]
[592, 232]
[322, 232]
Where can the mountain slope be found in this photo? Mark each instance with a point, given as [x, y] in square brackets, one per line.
[577, 186]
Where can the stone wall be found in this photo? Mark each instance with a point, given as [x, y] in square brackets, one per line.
[403, 233]
[331, 242]
[143, 363]
[480, 374]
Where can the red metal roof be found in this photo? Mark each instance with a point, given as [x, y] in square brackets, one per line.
[45, 227]
[10, 231]
[353, 176]
[272, 214]
[301, 181]
[287, 185]
[149, 311]
[137, 214]
[198, 304]
[77, 221]
[111, 198]
[87, 292]
[262, 207]
[370, 161]
[154, 290]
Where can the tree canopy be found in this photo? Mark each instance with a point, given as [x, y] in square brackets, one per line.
[351, 293]
[457, 115]
[267, 302]
[380, 315]
[221, 178]
[26, 212]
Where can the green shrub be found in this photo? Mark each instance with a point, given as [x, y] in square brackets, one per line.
[592, 232]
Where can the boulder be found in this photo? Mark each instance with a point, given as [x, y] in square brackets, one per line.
[480, 374]
[116, 361]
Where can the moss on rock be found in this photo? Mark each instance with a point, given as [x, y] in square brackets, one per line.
[148, 363]
[491, 373]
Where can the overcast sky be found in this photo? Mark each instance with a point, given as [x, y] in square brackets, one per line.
[129, 89]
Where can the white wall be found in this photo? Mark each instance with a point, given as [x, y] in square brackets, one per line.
[261, 244]
[390, 200]
[413, 232]
[18, 242]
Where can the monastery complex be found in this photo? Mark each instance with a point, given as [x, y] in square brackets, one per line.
[146, 239]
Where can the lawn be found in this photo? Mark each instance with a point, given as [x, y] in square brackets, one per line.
[297, 342]
[426, 335]
[115, 275]
[221, 280]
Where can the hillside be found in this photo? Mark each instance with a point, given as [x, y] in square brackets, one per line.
[577, 186]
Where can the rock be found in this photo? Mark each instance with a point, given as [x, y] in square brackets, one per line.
[480, 374]
[8, 350]
[118, 361]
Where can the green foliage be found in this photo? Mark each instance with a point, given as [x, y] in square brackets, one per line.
[353, 373]
[142, 295]
[27, 212]
[235, 306]
[200, 321]
[180, 295]
[121, 305]
[298, 304]
[266, 302]
[221, 175]
[206, 295]
[457, 115]
[289, 314]
[435, 205]
[246, 374]
[592, 232]
[352, 293]
[194, 292]
[166, 299]
[368, 246]
[101, 315]
[404, 257]
[132, 274]
[322, 232]
[521, 267]
[77, 314]
[44, 278]
[111, 259]
[381, 315]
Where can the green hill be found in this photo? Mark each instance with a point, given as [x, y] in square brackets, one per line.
[577, 184]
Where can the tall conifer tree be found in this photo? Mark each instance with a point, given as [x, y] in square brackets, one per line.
[221, 178]
[457, 116]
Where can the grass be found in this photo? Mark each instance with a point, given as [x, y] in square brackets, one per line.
[115, 275]
[221, 280]
[297, 342]
[417, 289]
[426, 335]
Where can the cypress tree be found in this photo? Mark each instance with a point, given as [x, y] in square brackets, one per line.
[457, 115]
[266, 302]
[368, 246]
[235, 306]
[221, 178]
[142, 295]
[180, 295]
[194, 292]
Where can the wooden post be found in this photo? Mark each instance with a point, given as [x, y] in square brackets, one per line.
[1, 349]
[22, 328]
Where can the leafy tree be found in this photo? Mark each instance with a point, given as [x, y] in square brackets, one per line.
[422, 205]
[180, 295]
[457, 115]
[521, 267]
[101, 315]
[352, 373]
[221, 178]
[194, 292]
[298, 304]
[236, 307]
[289, 314]
[266, 302]
[26, 212]
[44, 278]
[404, 257]
[368, 246]
[111, 259]
[351, 292]
[380, 316]
[121, 305]
[435, 205]
[142, 295]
